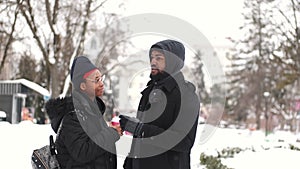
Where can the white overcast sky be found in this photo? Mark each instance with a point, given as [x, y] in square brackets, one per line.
[216, 19]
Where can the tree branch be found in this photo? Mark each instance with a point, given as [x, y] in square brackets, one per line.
[48, 13]
[99, 6]
[10, 39]
[32, 25]
[55, 11]
[84, 27]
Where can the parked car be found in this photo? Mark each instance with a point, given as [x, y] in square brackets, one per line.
[2, 116]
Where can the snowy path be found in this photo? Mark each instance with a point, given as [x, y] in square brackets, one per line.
[18, 141]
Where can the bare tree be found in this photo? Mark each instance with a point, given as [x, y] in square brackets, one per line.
[267, 60]
[8, 19]
[286, 57]
[59, 30]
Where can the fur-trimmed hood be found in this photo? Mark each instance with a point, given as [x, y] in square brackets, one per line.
[57, 108]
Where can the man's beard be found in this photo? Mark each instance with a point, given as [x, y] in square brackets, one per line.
[159, 76]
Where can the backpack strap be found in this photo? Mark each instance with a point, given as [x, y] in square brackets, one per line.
[69, 164]
[52, 143]
[52, 146]
[60, 125]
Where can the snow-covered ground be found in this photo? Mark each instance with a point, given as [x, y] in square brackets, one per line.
[18, 140]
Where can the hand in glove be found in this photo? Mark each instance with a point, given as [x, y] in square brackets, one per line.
[130, 124]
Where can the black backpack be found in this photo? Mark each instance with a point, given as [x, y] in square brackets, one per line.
[45, 157]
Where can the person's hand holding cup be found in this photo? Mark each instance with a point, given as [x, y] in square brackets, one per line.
[114, 123]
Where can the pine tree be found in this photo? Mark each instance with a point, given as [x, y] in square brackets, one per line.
[250, 69]
[198, 73]
[266, 60]
[33, 71]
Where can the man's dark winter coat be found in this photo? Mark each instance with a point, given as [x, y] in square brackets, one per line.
[170, 106]
[83, 130]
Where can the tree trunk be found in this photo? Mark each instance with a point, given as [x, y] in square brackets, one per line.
[54, 81]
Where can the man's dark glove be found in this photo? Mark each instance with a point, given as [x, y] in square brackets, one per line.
[130, 124]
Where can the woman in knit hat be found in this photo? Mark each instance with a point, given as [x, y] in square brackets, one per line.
[85, 140]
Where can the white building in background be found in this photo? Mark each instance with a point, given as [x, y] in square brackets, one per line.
[129, 77]
[132, 73]
[92, 48]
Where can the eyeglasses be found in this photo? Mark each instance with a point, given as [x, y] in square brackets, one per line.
[101, 79]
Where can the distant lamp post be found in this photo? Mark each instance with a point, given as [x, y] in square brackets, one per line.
[266, 95]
